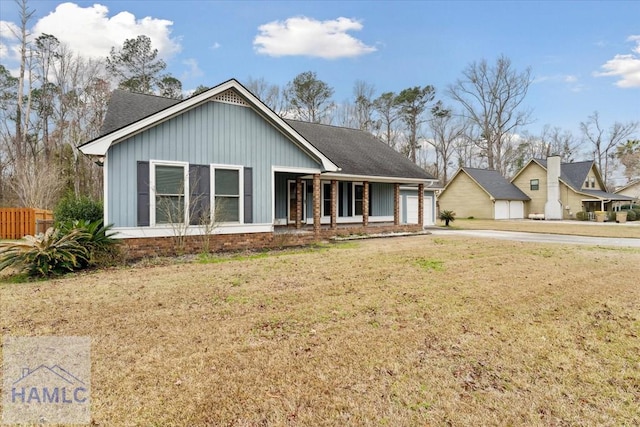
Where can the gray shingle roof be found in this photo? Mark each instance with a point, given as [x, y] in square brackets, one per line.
[599, 194]
[495, 184]
[574, 174]
[128, 107]
[356, 152]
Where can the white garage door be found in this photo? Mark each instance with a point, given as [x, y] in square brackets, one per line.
[502, 209]
[412, 210]
[516, 209]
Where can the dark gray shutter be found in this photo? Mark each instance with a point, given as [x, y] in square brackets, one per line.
[248, 195]
[143, 195]
[200, 193]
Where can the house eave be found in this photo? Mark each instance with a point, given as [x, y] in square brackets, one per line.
[388, 179]
[100, 146]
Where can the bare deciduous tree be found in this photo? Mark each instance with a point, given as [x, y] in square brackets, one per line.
[268, 93]
[446, 131]
[491, 98]
[604, 141]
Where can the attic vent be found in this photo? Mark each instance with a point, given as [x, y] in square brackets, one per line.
[230, 97]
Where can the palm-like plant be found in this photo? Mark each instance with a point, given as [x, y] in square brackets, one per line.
[447, 217]
[47, 254]
[97, 237]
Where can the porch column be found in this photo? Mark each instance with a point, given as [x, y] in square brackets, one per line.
[421, 205]
[396, 204]
[298, 202]
[365, 203]
[334, 204]
[316, 204]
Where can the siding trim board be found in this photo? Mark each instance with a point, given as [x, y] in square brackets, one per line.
[100, 145]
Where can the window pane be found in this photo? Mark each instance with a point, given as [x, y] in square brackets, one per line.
[169, 180]
[227, 182]
[169, 209]
[227, 209]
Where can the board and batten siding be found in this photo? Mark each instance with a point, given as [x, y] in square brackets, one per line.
[466, 198]
[213, 133]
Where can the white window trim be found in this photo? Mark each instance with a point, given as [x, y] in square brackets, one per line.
[212, 201]
[353, 199]
[324, 214]
[152, 190]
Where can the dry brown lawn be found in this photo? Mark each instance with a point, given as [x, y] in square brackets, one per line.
[399, 332]
[577, 228]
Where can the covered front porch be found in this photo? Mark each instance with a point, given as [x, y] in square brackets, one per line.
[331, 204]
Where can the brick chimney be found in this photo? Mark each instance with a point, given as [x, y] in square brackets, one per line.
[553, 207]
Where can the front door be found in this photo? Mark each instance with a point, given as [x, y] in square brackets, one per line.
[291, 206]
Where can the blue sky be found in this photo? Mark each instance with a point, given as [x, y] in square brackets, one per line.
[584, 55]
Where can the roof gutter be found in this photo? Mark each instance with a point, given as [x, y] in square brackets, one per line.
[389, 179]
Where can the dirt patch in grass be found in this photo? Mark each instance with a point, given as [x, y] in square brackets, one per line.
[576, 228]
[400, 332]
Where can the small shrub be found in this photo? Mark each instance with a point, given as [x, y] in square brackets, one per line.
[637, 211]
[447, 217]
[582, 216]
[48, 254]
[611, 216]
[72, 208]
[631, 215]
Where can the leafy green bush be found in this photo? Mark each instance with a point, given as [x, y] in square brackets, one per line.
[582, 216]
[77, 208]
[72, 246]
[611, 216]
[631, 215]
[97, 239]
[637, 211]
[447, 217]
[48, 254]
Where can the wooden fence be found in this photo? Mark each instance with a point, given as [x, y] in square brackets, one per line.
[15, 223]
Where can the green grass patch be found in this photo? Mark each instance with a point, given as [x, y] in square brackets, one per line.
[430, 264]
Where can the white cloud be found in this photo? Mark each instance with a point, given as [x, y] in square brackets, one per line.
[309, 37]
[193, 69]
[626, 67]
[215, 46]
[8, 38]
[90, 31]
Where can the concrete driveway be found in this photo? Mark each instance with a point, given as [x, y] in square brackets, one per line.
[541, 237]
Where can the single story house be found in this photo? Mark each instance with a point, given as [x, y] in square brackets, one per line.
[223, 161]
[482, 193]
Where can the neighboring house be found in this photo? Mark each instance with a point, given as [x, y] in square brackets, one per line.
[632, 189]
[560, 190]
[482, 193]
[224, 154]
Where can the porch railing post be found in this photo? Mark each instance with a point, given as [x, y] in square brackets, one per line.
[396, 204]
[316, 204]
[334, 204]
[298, 203]
[365, 203]
[421, 205]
